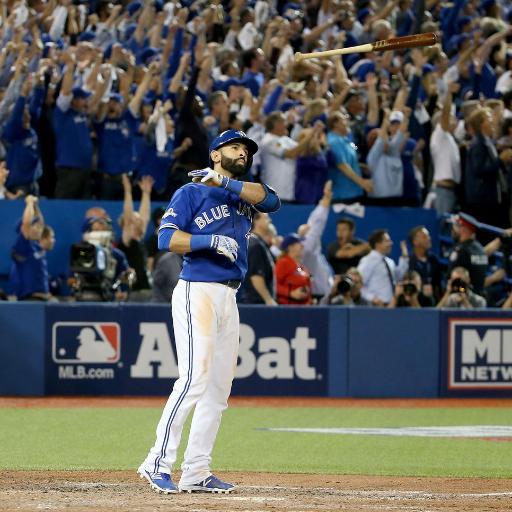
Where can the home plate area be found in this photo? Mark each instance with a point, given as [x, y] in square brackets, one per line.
[121, 490]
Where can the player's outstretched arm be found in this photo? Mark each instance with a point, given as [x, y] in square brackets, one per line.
[260, 195]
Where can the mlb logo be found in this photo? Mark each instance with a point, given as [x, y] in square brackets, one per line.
[479, 353]
[86, 342]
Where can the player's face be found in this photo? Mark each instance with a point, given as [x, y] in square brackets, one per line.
[234, 158]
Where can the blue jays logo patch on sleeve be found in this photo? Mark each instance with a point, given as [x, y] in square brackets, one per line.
[169, 213]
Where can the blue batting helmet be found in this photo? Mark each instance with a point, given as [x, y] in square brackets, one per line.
[230, 136]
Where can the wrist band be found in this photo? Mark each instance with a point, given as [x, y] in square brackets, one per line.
[199, 242]
[232, 185]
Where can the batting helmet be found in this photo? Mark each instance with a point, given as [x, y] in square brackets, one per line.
[230, 136]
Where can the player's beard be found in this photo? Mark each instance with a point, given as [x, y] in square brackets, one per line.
[236, 167]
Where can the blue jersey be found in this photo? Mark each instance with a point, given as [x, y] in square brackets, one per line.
[115, 141]
[23, 149]
[157, 165]
[201, 210]
[30, 270]
[74, 145]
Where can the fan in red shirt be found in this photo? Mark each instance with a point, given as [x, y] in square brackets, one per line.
[293, 278]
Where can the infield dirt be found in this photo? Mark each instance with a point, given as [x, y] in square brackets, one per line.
[79, 491]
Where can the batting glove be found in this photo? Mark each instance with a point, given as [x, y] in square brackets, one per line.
[226, 246]
[208, 176]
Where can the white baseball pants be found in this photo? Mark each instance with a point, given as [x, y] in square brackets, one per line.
[206, 332]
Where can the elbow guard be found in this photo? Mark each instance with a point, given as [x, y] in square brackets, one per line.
[271, 203]
[164, 238]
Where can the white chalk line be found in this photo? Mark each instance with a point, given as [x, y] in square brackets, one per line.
[385, 494]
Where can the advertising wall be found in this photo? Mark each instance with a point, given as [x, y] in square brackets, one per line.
[128, 349]
[476, 359]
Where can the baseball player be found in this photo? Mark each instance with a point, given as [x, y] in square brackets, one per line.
[208, 221]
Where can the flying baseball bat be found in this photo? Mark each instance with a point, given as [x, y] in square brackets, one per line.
[395, 43]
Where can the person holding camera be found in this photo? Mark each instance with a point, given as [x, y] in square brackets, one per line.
[458, 292]
[346, 290]
[408, 293]
[91, 282]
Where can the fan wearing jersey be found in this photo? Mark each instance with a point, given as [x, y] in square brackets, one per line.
[208, 222]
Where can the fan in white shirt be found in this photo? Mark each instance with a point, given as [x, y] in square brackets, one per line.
[445, 155]
[279, 154]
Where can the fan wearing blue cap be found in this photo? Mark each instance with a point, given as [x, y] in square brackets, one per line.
[208, 221]
[115, 129]
[71, 122]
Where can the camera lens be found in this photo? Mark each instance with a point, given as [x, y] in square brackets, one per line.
[458, 286]
[345, 285]
[410, 289]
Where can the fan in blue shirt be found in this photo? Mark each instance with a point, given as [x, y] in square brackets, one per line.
[348, 183]
[23, 159]
[115, 131]
[72, 133]
[29, 272]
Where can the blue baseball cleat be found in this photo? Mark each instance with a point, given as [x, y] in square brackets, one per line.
[160, 482]
[210, 484]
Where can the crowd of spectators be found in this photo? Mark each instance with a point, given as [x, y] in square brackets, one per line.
[117, 100]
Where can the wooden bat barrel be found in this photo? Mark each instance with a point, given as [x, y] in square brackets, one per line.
[398, 43]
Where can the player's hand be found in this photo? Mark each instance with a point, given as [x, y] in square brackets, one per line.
[208, 177]
[226, 246]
